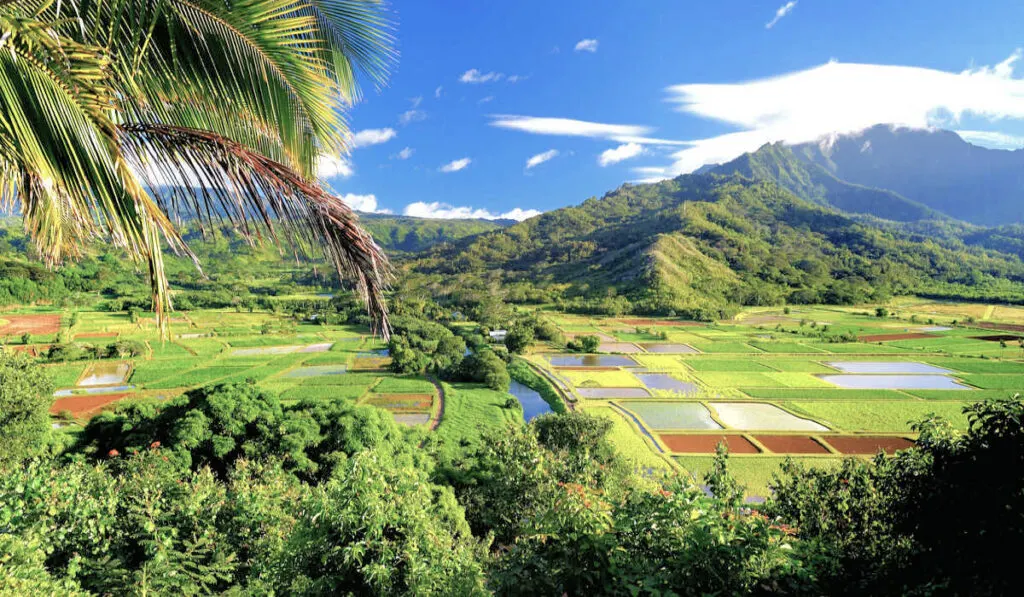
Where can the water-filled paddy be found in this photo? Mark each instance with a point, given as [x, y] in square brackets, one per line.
[591, 360]
[891, 367]
[894, 382]
[317, 371]
[673, 415]
[533, 403]
[670, 348]
[105, 374]
[664, 381]
[613, 393]
[412, 419]
[762, 417]
[93, 390]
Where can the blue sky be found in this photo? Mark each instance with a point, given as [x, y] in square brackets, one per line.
[483, 86]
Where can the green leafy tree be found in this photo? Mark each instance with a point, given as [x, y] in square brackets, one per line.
[519, 337]
[26, 393]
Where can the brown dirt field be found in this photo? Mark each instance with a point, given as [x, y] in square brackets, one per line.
[997, 338]
[791, 444]
[651, 322]
[891, 337]
[705, 444]
[33, 324]
[853, 444]
[81, 406]
[31, 350]
[96, 335]
[585, 368]
[1010, 327]
[402, 402]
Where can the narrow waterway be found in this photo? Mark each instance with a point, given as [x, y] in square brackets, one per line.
[533, 403]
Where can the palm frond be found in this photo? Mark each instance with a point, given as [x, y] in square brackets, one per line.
[208, 177]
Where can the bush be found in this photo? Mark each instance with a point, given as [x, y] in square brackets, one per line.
[26, 393]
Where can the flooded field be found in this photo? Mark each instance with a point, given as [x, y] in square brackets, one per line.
[882, 367]
[608, 393]
[670, 415]
[761, 417]
[93, 390]
[591, 360]
[894, 382]
[105, 374]
[664, 381]
[412, 419]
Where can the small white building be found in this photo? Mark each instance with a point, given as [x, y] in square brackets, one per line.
[498, 335]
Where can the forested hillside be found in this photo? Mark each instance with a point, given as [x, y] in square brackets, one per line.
[703, 244]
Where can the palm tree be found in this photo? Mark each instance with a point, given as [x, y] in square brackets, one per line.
[119, 118]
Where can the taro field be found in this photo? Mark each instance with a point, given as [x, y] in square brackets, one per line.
[816, 384]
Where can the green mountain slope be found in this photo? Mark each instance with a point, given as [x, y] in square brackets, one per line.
[405, 233]
[702, 244]
[814, 183]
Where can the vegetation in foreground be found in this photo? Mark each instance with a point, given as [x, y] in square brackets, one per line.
[226, 489]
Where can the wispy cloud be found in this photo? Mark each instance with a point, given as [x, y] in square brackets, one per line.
[329, 166]
[416, 101]
[421, 209]
[540, 158]
[367, 137]
[568, 127]
[992, 139]
[783, 10]
[475, 76]
[517, 78]
[587, 45]
[363, 203]
[484, 100]
[842, 98]
[411, 116]
[626, 151]
[405, 154]
[455, 165]
[437, 92]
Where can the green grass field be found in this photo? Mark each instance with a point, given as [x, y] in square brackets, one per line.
[873, 415]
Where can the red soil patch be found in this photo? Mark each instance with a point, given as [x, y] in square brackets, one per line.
[1010, 327]
[891, 337]
[96, 335]
[32, 350]
[33, 324]
[402, 402]
[81, 406]
[649, 322]
[859, 444]
[791, 444]
[705, 444]
[585, 368]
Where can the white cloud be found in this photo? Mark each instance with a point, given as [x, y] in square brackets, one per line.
[416, 101]
[456, 165]
[411, 116]
[587, 45]
[540, 158]
[329, 166]
[484, 100]
[567, 127]
[475, 76]
[992, 139]
[367, 137]
[405, 154]
[437, 210]
[363, 203]
[840, 98]
[621, 153]
[517, 78]
[783, 10]
[437, 92]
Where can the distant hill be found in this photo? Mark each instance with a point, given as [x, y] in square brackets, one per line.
[409, 234]
[935, 168]
[814, 183]
[701, 244]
